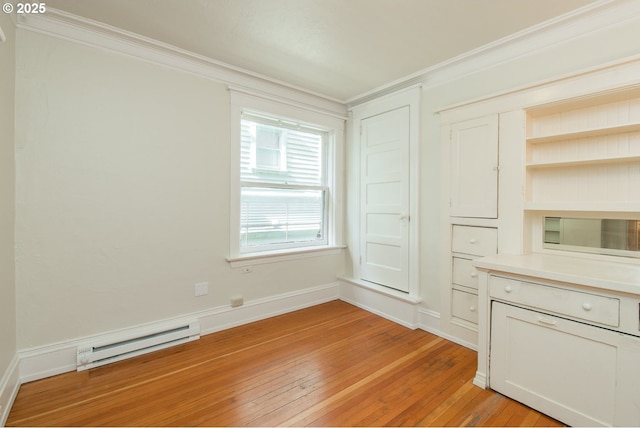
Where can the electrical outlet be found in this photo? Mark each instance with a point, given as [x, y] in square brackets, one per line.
[201, 289]
[237, 301]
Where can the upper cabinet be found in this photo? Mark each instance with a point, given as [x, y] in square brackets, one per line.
[584, 155]
[474, 168]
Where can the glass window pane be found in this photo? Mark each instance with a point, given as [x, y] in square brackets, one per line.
[296, 155]
[268, 136]
[278, 216]
[267, 158]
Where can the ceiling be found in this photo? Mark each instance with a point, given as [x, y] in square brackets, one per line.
[337, 48]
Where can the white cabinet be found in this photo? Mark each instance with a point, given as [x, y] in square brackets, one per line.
[467, 244]
[561, 334]
[474, 168]
[577, 373]
[472, 212]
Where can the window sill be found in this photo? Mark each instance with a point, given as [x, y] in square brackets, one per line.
[283, 255]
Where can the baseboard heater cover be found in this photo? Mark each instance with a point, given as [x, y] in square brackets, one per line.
[142, 342]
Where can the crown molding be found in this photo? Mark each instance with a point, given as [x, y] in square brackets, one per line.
[67, 26]
[582, 22]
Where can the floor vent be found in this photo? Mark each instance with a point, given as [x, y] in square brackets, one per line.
[147, 340]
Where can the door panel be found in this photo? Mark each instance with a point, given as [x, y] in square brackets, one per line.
[385, 199]
[474, 179]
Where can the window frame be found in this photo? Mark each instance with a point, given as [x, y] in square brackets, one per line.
[261, 106]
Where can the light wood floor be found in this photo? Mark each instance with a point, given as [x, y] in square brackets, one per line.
[329, 365]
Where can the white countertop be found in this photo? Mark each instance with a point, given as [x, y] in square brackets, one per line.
[606, 275]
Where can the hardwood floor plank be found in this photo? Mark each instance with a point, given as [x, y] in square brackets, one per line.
[329, 365]
[397, 393]
[438, 388]
[372, 380]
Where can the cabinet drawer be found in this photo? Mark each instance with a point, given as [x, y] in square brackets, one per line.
[478, 241]
[576, 304]
[464, 306]
[464, 273]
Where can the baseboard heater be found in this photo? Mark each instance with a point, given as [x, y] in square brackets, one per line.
[137, 343]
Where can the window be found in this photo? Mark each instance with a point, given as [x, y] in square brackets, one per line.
[268, 143]
[286, 180]
[283, 197]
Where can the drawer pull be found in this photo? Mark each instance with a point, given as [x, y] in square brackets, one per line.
[508, 289]
[472, 241]
[547, 321]
[586, 306]
[474, 274]
[472, 309]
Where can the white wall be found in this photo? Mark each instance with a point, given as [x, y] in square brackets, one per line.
[123, 185]
[8, 341]
[123, 196]
[559, 59]
[7, 197]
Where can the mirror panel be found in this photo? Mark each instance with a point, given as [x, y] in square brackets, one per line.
[593, 235]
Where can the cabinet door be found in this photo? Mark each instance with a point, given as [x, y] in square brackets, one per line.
[579, 374]
[474, 180]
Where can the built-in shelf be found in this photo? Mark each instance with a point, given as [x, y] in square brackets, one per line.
[585, 155]
[584, 133]
[576, 162]
[630, 207]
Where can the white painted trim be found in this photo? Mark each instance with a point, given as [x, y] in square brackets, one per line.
[403, 311]
[256, 93]
[284, 255]
[609, 77]
[582, 22]
[9, 386]
[225, 318]
[49, 360]
[64, 25]
[429, 321]
[390, 292]
[480, 380]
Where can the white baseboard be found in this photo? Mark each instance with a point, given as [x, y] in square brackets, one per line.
[429, 320]
[9, 385]
[388, 304]
[225, 318]
[41, 362]
[481, 380]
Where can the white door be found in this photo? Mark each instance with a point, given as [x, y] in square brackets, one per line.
[474, 179]
[384, 178]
